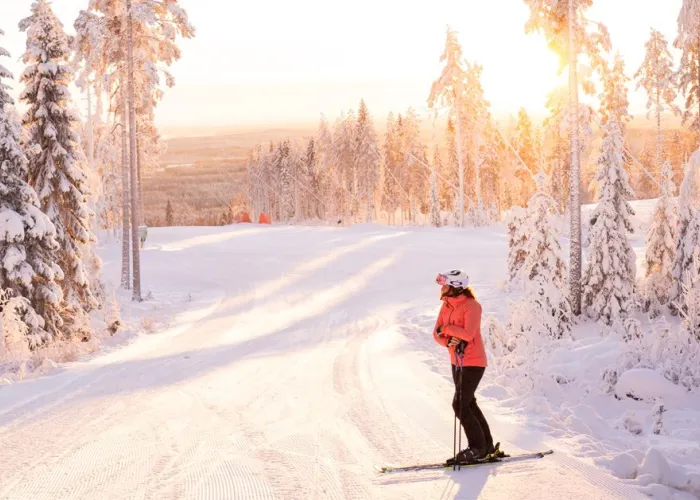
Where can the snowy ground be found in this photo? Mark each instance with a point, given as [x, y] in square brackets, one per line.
[298, 358]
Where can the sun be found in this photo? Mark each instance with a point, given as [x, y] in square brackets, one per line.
[520, 70]
[522, 76]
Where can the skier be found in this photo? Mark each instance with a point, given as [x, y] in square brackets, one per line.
[458, 328]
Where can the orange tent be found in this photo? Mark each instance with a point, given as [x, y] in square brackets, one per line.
[264, 219]
[243, 217]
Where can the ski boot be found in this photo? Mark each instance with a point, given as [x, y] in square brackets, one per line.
[467, 456]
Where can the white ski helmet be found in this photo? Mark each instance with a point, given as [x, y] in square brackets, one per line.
[455, 278]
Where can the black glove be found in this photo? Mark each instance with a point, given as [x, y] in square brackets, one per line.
[458, 344]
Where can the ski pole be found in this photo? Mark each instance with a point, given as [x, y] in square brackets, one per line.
[454, 440]
[459, 445]
[455, 449]
[459, 351]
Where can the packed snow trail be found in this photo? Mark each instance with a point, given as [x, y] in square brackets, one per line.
[300, 365]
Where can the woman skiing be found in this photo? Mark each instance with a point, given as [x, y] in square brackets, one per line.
[458, 328]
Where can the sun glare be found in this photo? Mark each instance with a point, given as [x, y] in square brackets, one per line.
[530, 74]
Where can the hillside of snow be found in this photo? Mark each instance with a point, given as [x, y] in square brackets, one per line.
[284, 362]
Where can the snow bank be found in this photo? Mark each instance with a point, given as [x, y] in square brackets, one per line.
[606, 400]
[120, 321]
[656, 475]
[648, 385]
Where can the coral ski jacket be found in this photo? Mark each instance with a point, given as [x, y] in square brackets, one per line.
[461, 317]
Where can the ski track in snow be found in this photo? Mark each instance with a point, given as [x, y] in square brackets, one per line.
[292, 377]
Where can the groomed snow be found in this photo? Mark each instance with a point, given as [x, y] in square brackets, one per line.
[297, 358]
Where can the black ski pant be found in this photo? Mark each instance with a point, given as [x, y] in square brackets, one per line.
[467, 411]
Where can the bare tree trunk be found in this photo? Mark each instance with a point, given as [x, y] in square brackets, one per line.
[658, 139]
[91, 156]
[477, 183]
[132, 159]
[434, 199]
[575, 174]
[3, 304]
[142, 211]
[297, 194]
[91, 143]
[460, 163]
[697, 91]
[126, 268]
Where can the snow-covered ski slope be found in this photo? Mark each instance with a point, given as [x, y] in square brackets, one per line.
[306, 358]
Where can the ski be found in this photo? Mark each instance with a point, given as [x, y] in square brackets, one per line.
[442, 465]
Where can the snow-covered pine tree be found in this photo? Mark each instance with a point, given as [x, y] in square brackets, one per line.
[688, 231]
[647, 185]
[434, 191]
[657, 77]
[542, 248]
[367, 160]
[525, 140]
[109, 66]
[259, 189]
[252, 182]
[477, 121]
[391, 196]
[544, 268]
[324, 169]
[518, 233]
[56, 161]
[27, 237]
[88, 60]
[169, 215]
[283, 170]
[613, 100]
[526, 151]
[296, 157]
[13, 326]
[558, 151]
[448, 90]
[306, 178]
[688, 41]
[610, 273]
[107, 159]
[565, 28]
[343, 160]
[661, 247]
[614, 103]
[450, 173]
[690, 308]
[140, 43]
[413, 159]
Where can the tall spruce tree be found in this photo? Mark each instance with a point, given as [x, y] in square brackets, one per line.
[367, 160]
[391, 196]
[688, 41]
[544, 269]
[56, 161]
[688, 232]
[434, 191]
[448, 90]
[609, 275]
[169, 215]
[614, 102]
[567, 32]
[526, 153]
[657, 77]
[661, 247]
[27, 236]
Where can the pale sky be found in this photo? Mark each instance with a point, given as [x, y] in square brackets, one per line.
[273, 61]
